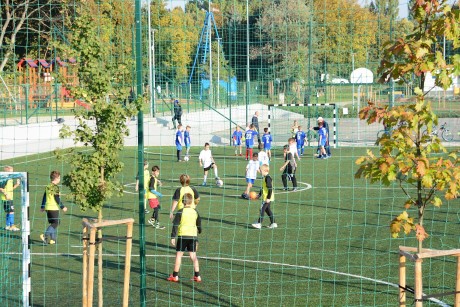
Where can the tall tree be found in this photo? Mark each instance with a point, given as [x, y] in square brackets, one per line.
[28, 23]
[178, 35]
[343, 28]
[409, 155]
[92, 178]
[284, 30]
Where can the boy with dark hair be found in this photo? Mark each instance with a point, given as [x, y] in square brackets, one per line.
[186, 226]
[207, 162]
[268, 196]
[288, 169]
[249, 136]
[237, 137]
[179, 141]
[51, 203]
[267, 140]
[154, 197]
[7, 191]
[178, 195]
[300, 140]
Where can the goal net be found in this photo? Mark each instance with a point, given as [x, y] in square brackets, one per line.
[284, 121]
[15, 278]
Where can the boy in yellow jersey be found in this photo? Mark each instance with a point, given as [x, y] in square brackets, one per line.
[154, 197]
[51, 203]
[180, 192]
[268, 196]
[6, 193]
[186, 226]
[146, 184]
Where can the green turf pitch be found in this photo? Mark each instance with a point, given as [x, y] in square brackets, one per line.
[332, 246]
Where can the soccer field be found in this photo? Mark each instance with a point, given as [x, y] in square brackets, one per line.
[332, 246]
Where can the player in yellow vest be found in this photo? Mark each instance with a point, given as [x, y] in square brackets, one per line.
[6, 194]
[180, 192]
[146, 184]
[154, 196]
[51, 203]
[186, 226]
[268, 196]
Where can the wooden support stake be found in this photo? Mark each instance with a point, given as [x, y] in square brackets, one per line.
[92, 251]
[129, 242]
[457, 284]
[402, 280]
[85, 267]
[418, 283]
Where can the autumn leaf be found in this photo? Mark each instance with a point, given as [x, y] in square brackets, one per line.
[437, 202]
[420, 233]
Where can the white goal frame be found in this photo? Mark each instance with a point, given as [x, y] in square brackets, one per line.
[25, 232]
[332, 137]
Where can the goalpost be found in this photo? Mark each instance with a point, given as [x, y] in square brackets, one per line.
[281, 118]
[13, 249]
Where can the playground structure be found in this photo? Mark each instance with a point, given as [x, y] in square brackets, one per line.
[44, 82]
[41, 85]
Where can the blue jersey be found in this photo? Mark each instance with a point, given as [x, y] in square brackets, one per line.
[237, 136]
[267, 140]
[250, 134]
[300, 138]
[322, 132]
[187, 140]
[179, 138]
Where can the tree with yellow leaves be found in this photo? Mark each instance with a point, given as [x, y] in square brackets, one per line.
[424, 169]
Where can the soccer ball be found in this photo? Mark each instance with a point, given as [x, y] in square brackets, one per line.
[253, 195]
[186, 158]
[219, 183]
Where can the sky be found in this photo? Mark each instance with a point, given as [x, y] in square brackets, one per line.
[402, 5]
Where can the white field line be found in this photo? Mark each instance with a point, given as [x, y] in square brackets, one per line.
[306, 267]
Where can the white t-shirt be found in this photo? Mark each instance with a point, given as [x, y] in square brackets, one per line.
[205, 158]
[293, 148]
[251, 169]
[263, 158]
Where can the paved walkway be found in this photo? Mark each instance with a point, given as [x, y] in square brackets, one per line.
[207, 126]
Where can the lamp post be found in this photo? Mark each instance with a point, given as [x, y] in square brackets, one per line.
[152, 93]
[218, 70]
[210, 53]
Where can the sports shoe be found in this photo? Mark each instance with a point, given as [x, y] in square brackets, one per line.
[294, 189]
[241, 155]
[7, 227]
[204, 183]
[146, 211]
[158, 226]
[197, 278]
[285, 189]
[245, 196]
[151, 222]
[13, 228]
[274, 225]
[52, 242]
[172, 278]
[43, 238]
[256, 225]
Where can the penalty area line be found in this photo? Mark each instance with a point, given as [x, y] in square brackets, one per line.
[306, 267]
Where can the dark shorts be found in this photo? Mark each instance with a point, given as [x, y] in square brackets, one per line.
[8, 206]
[209, 167]
[186, 244]
[53, 216]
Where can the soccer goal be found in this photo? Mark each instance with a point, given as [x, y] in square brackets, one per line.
[15, 245]
[283, 117]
